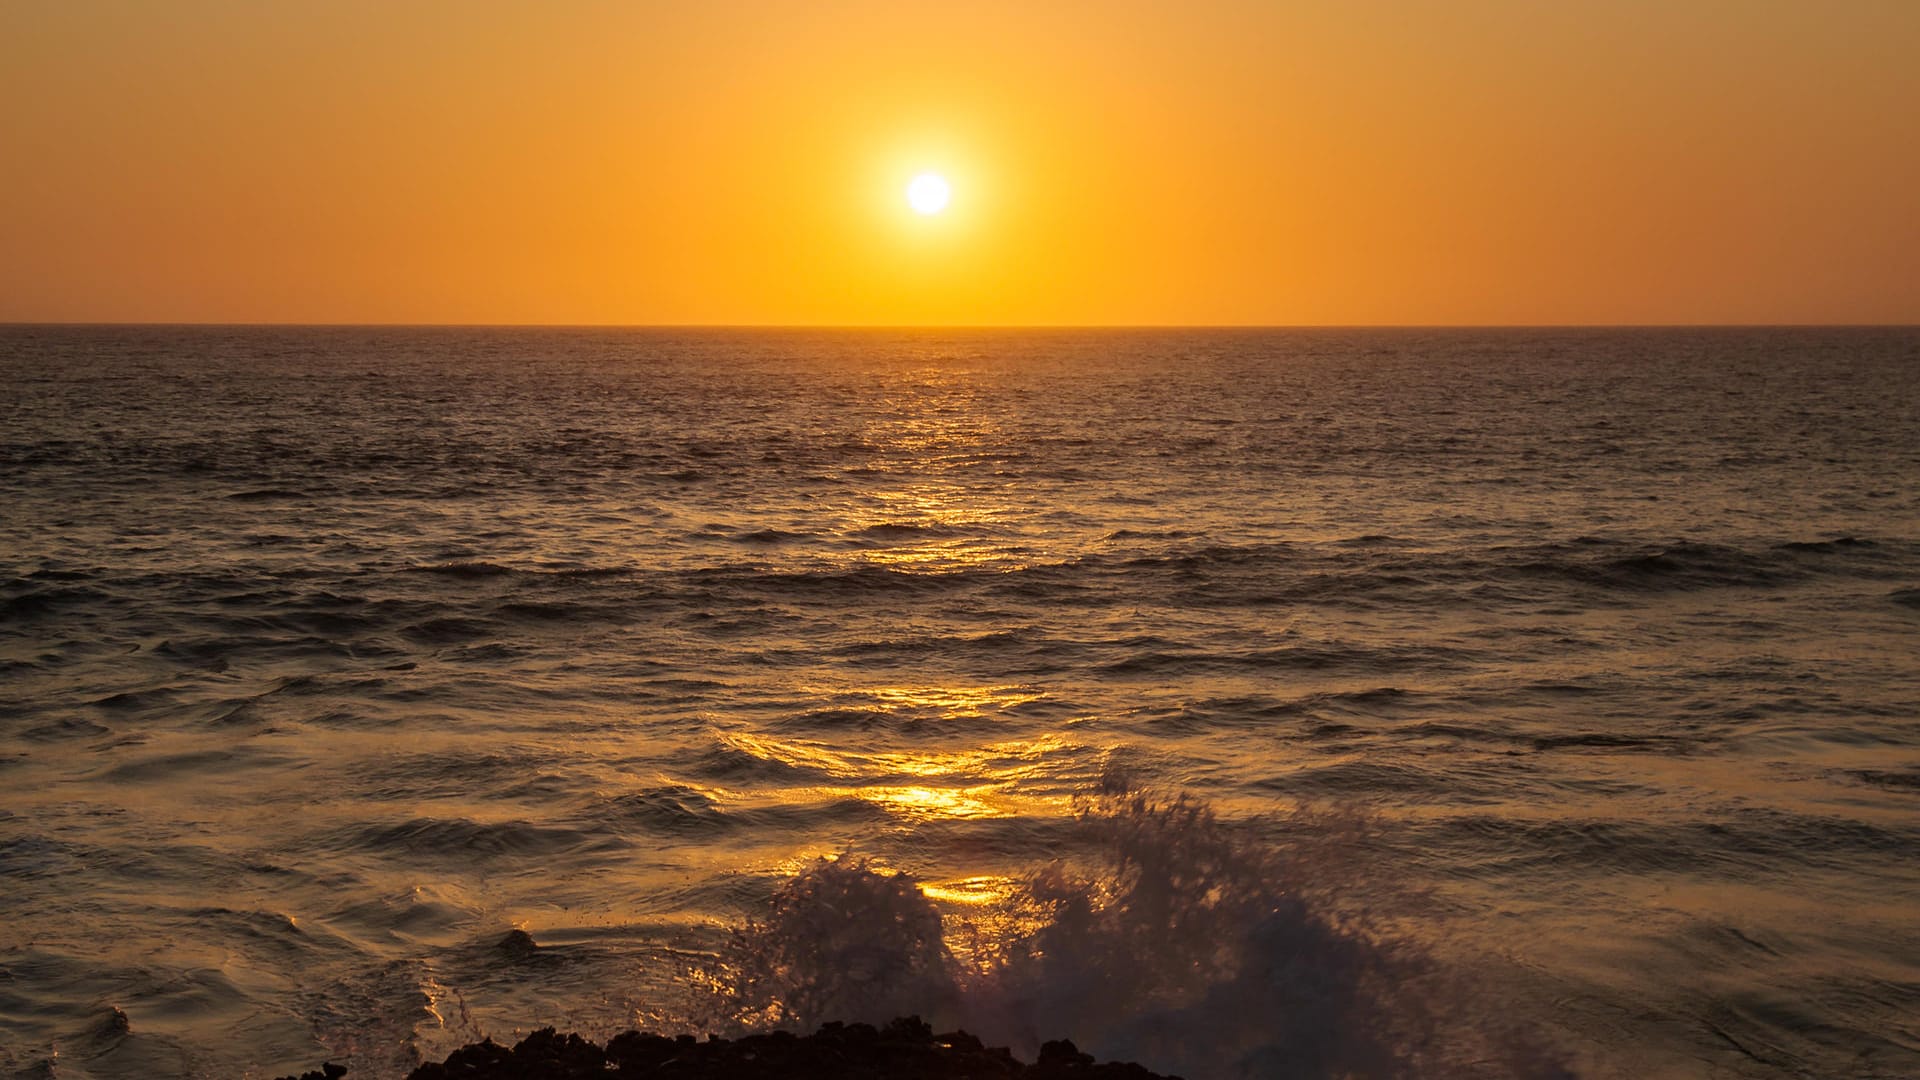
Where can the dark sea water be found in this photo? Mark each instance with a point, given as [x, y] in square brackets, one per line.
[1556, 689]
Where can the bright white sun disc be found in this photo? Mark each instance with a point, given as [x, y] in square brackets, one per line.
[928, 193]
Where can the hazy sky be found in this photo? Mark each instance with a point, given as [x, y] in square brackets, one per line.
[1266, 161]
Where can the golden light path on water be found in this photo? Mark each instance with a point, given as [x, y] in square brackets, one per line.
[939, 525]
[982, 781]
[922, 520]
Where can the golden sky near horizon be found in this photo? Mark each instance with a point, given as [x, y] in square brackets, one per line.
[1206, 162]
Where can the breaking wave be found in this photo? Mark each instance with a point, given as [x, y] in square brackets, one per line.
[1185, 943]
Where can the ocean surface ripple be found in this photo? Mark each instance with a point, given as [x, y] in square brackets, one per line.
[367, 690]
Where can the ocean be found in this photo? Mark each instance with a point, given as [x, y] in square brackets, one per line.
[1240, 702]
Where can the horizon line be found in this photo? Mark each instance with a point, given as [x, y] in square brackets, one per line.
[295, 325]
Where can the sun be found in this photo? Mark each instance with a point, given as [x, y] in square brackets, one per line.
[928, 193]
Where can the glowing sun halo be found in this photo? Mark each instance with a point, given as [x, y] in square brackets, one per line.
[928, 193]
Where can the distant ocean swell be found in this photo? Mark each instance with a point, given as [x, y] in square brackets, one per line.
[1361, 573]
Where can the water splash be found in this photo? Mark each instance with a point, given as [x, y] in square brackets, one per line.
[841, 941]
[1187, 944]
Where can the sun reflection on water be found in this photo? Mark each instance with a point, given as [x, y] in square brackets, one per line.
[936, 511]
[989, 780]
[978, 891]
[1004, 761]
[957, 803]
[943, 701]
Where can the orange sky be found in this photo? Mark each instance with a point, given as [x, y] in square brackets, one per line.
[1263, 162]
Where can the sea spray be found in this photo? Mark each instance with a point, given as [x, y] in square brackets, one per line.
[1184, 942]
[841, 941]
[1189, 943]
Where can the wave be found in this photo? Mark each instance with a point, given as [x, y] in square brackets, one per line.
[1757, 843]
[1305, 657]
[41, 602]
[769, 536]
[893, 531]
[1185, 944]
[1364, 572]
[214, 618]
[1839, 544]
[447, 630]
[464, 838]
[1892, 780]
[480, 568]
[672, 810]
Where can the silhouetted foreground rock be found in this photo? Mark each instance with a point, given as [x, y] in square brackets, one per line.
[906, 1049]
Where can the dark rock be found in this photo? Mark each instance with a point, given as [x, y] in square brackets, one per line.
[906, 1049]
[1063, 1055]
[518, 945]
[328, 1071]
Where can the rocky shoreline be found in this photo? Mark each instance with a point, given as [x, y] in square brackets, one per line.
[906, 1049]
